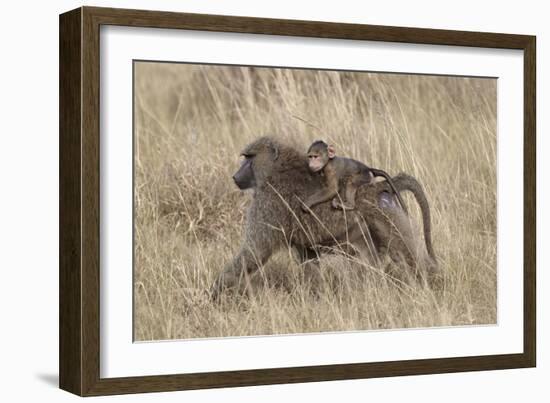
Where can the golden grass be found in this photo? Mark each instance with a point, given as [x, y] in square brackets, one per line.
[190, 124]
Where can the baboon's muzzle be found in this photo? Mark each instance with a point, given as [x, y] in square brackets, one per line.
[244, 177]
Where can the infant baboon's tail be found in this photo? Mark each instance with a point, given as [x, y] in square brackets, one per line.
[406, 182]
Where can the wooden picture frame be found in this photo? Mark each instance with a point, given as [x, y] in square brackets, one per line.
[79, 318]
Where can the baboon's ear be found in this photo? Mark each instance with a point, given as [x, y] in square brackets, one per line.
[331, 152]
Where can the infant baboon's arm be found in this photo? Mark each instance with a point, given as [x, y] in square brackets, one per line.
[328, 192]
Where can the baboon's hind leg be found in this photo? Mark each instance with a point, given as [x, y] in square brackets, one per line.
[364, 241]
[350, 192]
[308, 258]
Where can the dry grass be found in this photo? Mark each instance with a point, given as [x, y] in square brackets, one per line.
[191, 123]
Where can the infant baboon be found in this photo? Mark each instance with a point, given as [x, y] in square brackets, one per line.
[323, 159]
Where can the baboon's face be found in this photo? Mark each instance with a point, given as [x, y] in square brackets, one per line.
[244, 178]
[317, 158]
[259, 159]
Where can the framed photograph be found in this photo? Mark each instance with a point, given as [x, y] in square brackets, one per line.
[249, 201]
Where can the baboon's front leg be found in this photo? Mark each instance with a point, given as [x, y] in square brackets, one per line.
[250, 257]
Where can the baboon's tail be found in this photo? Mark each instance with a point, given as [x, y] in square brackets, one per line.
[406, 182]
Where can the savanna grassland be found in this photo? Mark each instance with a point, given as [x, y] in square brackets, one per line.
[191, 123]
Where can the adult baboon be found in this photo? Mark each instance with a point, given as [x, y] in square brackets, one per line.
[281, 180]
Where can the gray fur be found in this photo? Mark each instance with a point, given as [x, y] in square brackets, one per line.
[281, 180]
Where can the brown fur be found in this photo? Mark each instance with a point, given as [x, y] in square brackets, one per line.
[340, 172]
